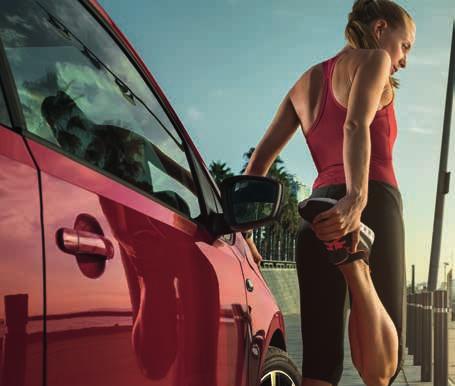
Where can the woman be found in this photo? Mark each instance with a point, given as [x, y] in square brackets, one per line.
[345, 109]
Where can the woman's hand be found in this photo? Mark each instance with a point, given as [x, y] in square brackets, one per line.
[257, 258]
[254, 251]
[341, 219]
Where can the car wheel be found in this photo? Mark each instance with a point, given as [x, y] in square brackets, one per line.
[279, 369]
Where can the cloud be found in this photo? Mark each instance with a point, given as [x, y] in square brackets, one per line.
[12, 37]
[194, 114]
[422, 109]
[428, 60]
[420, 130]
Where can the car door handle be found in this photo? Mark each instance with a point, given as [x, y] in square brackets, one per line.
[249, 285]
[77, 242]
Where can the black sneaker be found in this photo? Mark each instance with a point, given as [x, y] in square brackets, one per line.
[338, 250]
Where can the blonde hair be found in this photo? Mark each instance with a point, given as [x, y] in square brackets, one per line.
[358, 32]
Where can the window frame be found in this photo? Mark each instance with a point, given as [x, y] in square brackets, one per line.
[203, 173]
[19, 124]
[7, 124]
[8, 85]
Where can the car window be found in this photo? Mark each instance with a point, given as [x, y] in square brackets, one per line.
[80, 92]
[210, 194]
[211, 202]
[4, 116]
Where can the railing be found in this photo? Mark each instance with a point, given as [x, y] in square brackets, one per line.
[278, 264]
[428, 315]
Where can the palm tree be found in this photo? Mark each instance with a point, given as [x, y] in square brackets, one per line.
[220, 171]
[276, 240]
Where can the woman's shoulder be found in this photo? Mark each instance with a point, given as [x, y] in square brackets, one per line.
[347, 61]
[349, 57]
[353, 57]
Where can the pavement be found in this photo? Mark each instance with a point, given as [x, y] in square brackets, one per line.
[284, 285]
[409, 375]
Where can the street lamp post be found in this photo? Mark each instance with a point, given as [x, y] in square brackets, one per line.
[445, 275]
[444, 175]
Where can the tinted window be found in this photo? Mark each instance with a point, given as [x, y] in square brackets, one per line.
[211, 202]
[81, 93]
[4, 116]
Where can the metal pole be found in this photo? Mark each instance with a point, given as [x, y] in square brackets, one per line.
[444, 176]
[425, 370]
[418, 346]
[408, 320]
[413, 279]
[412, 340]
[450, 293]
[441, 364]
[445, 275]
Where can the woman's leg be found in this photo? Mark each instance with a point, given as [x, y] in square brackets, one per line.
[375, 333]
[356, 354]
[387, 262]
[322, 298]
[314, 382]
[376, 300]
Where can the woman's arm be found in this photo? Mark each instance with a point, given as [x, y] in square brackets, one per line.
[370, 79]
[280, 131]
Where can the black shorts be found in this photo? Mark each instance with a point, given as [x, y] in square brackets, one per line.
[323, 289]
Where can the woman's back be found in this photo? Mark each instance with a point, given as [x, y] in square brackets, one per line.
[320, 98]
[308, 91]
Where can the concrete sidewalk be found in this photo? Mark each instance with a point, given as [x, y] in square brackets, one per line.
[409, 375]
[284, 285]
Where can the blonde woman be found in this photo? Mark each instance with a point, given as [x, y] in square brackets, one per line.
[345, 109]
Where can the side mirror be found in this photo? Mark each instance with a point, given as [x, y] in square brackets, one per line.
[250, 201]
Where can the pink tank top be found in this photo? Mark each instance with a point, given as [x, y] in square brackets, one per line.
[325, 138]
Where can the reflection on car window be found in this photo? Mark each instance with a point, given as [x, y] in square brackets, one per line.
[80, 92]
[4, 116]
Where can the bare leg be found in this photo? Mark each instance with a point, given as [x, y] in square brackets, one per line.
[376, 336]
[356, 354]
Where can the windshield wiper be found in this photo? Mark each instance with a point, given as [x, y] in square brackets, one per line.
[99, 64]
[62, 31]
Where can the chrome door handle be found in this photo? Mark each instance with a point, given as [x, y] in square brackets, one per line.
[77, 242]
[249, 285]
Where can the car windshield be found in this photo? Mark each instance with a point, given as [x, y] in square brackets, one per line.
[29, 27]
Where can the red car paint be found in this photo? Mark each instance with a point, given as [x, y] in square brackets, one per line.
[169, 308]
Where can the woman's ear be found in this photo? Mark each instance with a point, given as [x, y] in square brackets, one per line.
[379, 27]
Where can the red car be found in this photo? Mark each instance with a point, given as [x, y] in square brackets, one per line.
[121, 261]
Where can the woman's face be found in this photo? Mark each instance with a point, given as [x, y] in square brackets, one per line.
[397, 42]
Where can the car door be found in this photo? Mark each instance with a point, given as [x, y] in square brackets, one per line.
[266, 322]
[138, 290]
[21, 257]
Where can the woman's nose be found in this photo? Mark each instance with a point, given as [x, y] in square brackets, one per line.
[403, 62]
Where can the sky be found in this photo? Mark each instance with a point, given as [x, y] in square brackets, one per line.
[225, 66]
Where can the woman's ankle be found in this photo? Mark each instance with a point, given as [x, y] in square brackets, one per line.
[355, 269]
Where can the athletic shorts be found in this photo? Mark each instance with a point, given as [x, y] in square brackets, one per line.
[323, 289]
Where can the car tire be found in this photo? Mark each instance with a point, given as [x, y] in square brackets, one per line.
[278, 364]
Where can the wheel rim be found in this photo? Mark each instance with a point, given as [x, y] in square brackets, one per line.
[277, 378]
